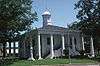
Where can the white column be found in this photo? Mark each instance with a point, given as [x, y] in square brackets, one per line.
[73, 44]
[92, 47]
[63, 42]
[39, 47]
[52, 52]
[83, 43]
[31, 51]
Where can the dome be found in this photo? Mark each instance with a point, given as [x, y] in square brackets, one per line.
[46, 13]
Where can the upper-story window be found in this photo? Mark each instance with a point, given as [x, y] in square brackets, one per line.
[7, 44]
[16, 44]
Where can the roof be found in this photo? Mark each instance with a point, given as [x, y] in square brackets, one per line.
[46, 13]
[52, 27]
[57, 28]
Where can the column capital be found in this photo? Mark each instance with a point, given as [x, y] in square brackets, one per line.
[39, 33]
[62, 34]
[51, 34]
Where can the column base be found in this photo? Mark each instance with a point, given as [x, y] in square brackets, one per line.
[63, 52]
[51, 57]
[40, 58]
[31, 59]
[84, 54]
[92, 56]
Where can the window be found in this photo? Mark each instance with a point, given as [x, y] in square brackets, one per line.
[12, 50]
[7, 44]
[7, 51]
[16, 44]
[48, 41]
[12, 44]
[16, 50]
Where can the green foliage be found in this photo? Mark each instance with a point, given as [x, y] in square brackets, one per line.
[89, 19]
[66, 52]
[75, 25]
[15, 16]
[89, 16]
[53, 62]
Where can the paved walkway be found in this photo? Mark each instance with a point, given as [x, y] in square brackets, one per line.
[71, 65]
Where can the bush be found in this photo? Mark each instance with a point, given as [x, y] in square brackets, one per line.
[66, 52]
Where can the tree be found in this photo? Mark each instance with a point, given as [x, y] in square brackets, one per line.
[89, 15]
[75, 25]
[89, 18]
[16, 16]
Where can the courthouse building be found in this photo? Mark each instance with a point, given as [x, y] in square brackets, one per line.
[51, 40]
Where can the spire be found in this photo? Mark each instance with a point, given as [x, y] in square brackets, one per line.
[46, 16]
[47, 12]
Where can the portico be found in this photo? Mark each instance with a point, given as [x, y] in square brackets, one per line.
[58, 40]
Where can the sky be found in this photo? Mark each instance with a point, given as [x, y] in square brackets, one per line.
[62, 11]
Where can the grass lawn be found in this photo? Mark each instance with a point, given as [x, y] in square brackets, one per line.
[50, 62]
